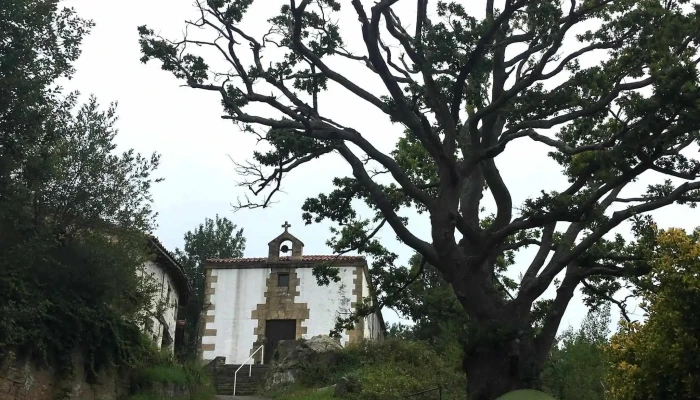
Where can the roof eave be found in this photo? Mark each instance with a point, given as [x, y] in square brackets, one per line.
[291, 263]
[181, 277]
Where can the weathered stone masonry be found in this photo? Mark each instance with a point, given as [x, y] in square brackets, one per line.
[253, 298]
[209, 291]
[357, 334]
[279, 304]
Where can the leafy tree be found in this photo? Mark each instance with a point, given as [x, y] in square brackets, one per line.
[72, 244]
[39, 44]
[215, 238]
[429, 302]
[660, 359]
[574, 370]
[72, 212]
[464, 88]
[576, 367]
[438, 318]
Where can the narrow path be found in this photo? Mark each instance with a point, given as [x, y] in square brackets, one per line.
[240, 398]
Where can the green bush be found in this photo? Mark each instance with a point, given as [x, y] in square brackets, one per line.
[301, 393]
[387, 370]
[149, 379]
[174, 374]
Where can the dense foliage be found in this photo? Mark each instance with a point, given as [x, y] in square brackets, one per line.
[660, 359]
[73, 214]
[382, 371]
[155, 378]
[215, 238]
[463, 88]
[40, 42]
[577, 364]
[431, 305]
[575, 368]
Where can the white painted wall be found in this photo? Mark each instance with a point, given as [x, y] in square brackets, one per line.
[325, 302]
[166, 294]
[237, 292]
[373, 328]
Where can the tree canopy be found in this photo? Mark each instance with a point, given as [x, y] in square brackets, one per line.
[463, 88]
[215, 238]
[73, 212]
[40, 42]
[660, 357]
[577, 365]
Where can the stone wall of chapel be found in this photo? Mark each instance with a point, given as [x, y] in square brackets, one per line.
[241, 300]
[280, 303]
[372, 324]
[325, 303]
[231, 296]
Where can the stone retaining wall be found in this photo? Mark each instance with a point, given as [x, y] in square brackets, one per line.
[24, 380]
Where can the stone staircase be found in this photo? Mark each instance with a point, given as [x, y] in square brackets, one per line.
[245, 385]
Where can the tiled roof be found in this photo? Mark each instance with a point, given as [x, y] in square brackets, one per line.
[286, 258]
[174, 269]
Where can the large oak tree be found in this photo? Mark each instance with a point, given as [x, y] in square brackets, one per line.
[464, 88]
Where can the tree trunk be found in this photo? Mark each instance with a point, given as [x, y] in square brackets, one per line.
[494, 367]
[489, 377]
[500, 354]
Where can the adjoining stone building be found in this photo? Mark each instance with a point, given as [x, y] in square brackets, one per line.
[172, 290]
[251, 302]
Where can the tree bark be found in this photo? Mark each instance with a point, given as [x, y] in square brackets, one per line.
[496, 366]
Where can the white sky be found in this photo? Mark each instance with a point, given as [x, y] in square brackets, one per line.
[184, 126]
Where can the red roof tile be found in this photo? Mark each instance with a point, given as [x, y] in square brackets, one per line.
[174, 269]
[286, 258]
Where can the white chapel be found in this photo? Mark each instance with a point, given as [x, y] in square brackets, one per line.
[254, 302]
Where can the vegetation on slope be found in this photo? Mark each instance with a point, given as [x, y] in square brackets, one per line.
[73, 212]
[660, 359]
[387, 370]
[162, 378]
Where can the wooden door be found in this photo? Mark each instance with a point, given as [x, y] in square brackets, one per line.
[276, 330]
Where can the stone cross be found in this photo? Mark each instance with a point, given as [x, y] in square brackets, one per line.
[286, 226]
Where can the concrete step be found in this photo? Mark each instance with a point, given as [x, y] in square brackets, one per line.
[245, 366]
[246, 384]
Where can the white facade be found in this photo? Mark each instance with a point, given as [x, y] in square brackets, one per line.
[164, 306]
[239, 291]
[373, 324]
[251, 302]
[171, 290]
[326, 303]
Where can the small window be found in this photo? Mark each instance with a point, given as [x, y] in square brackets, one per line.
[283, 279]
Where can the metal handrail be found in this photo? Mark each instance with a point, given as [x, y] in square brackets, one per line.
[261, 349]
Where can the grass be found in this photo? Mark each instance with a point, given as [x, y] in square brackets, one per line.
[147, 380]
[153, 396]
[304, 394]
[163, 374]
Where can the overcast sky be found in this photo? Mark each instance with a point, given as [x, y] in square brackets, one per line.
[157, 114]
